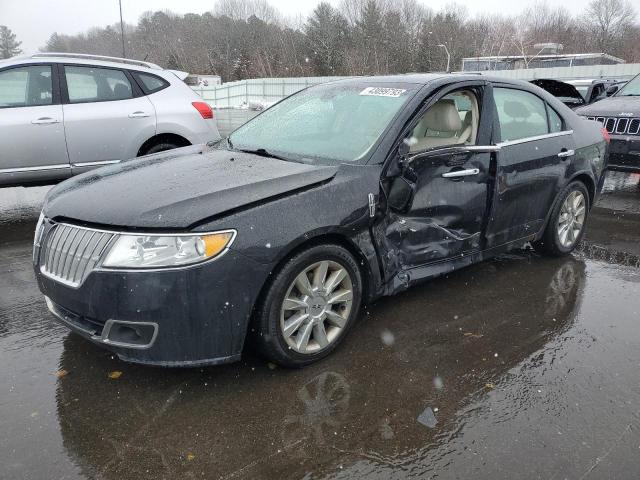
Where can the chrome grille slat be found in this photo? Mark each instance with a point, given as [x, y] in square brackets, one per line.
[79, 239]
[70, 253]
[634, 126]
[59, 250]
[71, 242]
[610, 124]
[80, 257]
[622, 124]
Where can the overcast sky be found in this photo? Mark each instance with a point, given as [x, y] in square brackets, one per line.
[33, 21]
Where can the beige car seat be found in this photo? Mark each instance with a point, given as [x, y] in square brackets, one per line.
[438, 127]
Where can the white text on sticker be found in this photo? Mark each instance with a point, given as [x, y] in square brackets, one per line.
[382, 92]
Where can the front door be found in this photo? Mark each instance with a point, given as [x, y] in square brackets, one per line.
[448, 171]
[31, 125]
[105, 119]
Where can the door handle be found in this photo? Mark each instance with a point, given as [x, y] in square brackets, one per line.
[45, 121]
[564, 153]
[138, 115]
[461, 173]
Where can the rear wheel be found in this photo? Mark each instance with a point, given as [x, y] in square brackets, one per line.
[309, 306]
[160, 147]
[567, 222]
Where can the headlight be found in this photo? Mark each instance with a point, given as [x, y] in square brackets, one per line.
[149, 251]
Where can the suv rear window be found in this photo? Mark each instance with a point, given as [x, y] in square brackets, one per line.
[150, 83]
[92, 84]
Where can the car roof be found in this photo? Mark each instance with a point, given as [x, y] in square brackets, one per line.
[82, 59]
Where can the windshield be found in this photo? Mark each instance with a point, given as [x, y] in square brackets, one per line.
[631, 89]
[336, 122]
[582, 90]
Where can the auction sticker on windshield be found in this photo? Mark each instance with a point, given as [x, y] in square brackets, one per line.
[382, 92]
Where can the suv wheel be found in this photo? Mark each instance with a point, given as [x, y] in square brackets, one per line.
[160, 147]
[566, 224]
[309, 306]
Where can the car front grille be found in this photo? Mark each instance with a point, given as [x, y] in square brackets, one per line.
[70, 253]
[619, 125]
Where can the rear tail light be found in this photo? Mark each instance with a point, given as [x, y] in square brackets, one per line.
[204, 109]
[605, 135]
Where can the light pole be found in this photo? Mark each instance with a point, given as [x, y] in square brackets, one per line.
[448, 55]
[124, 55]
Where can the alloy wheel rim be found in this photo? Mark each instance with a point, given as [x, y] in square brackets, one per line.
[571, 219]
[316, 307]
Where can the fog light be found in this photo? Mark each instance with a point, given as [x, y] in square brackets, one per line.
[124, 334]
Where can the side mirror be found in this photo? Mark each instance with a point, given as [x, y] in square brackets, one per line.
[401, 194]
[612, 89]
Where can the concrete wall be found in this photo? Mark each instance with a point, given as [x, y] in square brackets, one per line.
[235, 94]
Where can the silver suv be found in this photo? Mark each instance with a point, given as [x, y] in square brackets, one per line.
[62, 114]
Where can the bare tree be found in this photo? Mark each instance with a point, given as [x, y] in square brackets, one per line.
[607, 23]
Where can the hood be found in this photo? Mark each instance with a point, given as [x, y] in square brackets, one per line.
[566, 93]
[177, 192]
[616, 106]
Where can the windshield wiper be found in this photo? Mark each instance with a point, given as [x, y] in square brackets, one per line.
[263, 153]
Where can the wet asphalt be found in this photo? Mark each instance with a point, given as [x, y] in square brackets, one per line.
[519, 367]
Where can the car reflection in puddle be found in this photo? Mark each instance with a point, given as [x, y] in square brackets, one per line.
[454, 338]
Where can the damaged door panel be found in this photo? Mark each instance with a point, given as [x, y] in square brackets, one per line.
[444, 216]
[439, 196]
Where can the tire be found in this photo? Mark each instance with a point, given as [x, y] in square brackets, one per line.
[159, 147]
[555, 243]
[272, 317]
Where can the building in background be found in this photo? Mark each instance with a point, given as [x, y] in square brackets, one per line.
[516, 62]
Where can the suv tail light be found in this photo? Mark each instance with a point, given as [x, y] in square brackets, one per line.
[204, 109]
[605, 135]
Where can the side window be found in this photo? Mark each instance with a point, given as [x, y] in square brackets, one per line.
[26, 86]
[521, 114]
[452, 120]
[92, 84]
[151, 83]
[555, 121]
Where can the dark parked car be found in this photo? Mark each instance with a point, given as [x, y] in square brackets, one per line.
[335, 196]
[576, 93]
[620, 115]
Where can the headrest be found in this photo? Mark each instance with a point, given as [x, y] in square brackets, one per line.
[516, 109]
[443, 117]
[121, 91]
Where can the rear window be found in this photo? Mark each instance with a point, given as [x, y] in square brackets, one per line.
[93, 84]
[151, 83]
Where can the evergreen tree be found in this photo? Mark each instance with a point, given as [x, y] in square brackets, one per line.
[9, 47]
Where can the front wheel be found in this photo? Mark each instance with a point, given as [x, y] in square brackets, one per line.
[309, 306]
[567, 221]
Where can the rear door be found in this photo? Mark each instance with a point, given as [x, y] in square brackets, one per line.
[31, 129]
[106, 116]
[535, 152]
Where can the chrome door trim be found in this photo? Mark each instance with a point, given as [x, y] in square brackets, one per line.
[461, 173]
[481, 148]
[533, 139]
[34, 169]
[95, 164]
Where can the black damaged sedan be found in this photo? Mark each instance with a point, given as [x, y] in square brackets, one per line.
[337, 195]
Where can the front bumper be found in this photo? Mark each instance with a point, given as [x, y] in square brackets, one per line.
[624, 153]
[184, 317]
